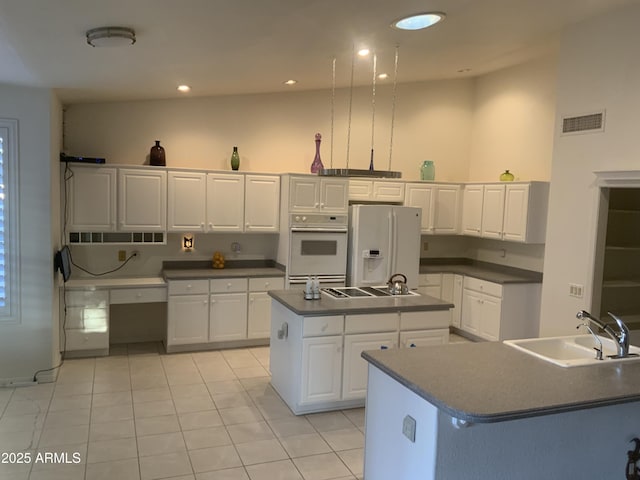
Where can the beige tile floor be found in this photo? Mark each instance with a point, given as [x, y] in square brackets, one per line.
[140, 415]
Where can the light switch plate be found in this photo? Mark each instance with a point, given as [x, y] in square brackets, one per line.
[409, 428]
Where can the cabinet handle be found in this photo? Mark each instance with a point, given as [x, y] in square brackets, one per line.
[228, 285]
[212, 301]
[383, 347]
[189, 286]
[210, 224]
[206, 301]
[138, 295]
[248, 225]
[266, 284]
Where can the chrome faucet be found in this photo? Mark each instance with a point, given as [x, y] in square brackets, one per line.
[598, 349]
[621, 338]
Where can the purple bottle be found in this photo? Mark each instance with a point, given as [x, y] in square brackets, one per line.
[316, 166]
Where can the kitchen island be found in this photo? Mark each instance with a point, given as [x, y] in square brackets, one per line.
[486, 410]
[316, 344]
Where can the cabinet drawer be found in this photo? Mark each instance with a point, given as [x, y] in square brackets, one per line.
[87, 318]
[228, 285]
[483, 286]
[426, 279]
[424, 338]
[322, 326]
[81, 340]
[424, 320]
[377, 322]
[87, 298]
[265, 284]
[390, 191]
[138, 295]
[188, 287]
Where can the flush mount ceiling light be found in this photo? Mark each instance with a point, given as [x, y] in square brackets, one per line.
[184, 88]
[111, 36]
[290, 82]
[363, 52]
[383, 76]
[418, 21]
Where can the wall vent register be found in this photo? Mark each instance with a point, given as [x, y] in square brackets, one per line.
[593, 122]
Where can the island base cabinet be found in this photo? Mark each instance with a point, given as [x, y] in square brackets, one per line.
[354, 382]
[321, 369]
[424, 338]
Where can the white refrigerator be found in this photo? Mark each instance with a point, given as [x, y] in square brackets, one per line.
[383, 240]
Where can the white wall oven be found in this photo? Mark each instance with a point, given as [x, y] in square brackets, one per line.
[317, 247]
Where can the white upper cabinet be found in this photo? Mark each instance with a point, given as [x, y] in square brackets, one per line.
[421, 195]
[225, 202]
[142, 195]
[472, 209]
[262, 203]
[186, 201]
[92, 199]
[493, 211]
[316, 194]
[446, 217]
[517, 216]
[376, 191]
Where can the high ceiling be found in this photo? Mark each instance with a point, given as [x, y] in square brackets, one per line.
[223, 47]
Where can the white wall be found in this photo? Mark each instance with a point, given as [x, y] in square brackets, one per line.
[27, 346]
[513, 118]
[599, 68]
[275, 132]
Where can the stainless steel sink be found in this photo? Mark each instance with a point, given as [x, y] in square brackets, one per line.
[572, 351]
[363, 292]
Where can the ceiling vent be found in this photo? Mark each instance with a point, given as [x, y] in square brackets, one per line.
[588, 123]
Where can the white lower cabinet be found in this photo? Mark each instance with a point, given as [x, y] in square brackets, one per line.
[354, 379]
[87, 324]
[424, 338]
[259, 310]
[321, 369]
[188, 319]
[228, 317]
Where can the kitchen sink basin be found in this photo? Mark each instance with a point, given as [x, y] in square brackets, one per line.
[572, 351]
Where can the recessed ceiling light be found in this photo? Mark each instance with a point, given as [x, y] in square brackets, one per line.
[383, 76]
[184, 88]
[110, 36]
[363, 52]
[418, 21]
[290, 82]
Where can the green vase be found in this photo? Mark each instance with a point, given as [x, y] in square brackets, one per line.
[506, 176]
[235, 159]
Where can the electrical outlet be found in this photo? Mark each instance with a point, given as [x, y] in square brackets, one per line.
[122, 255]
[409, 427]
[575, 290]
[425, 246]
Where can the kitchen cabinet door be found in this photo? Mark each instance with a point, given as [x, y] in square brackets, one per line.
[472, 210]
[321, 369]
[304, 194]
[142, 205]
[354, 380]
[493, 211]
[225, 202]
[186, 202]
[456, 311]
[262, 203]
[424, 338]
[392, 192]
[446, 210]
[92, 199]
[360, 189]
[489, 327]
[187, 319]
[421, 196]
[259, 315]
[228, 317]
[471, 311]
[334, 195]
[516, 209]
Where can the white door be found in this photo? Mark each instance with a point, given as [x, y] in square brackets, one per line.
[142, 200]
[471, 311]
[334, 195]
[354, 380]
[406, 243]
[493, 211]
[259, 315]
[304, 194]
[186, 201]
[321, 369]
[424, 338]
[417, 195]
[262, 203]
[225, 202]
[92, 199]
[187, 319]
[516, 208]
[228, 317]
[472, 210]
[446, 210]
[490, 319]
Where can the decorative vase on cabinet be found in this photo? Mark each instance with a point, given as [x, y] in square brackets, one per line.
[157, 155]
[235, 159]
[507, 176]
[427, 171]
[316, 165]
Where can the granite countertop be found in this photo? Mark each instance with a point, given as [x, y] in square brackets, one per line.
[326, 305]
[233, 268]
[491, 382]
[482, 270]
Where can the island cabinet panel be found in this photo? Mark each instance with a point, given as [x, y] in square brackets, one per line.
[354, 381]
[424, 338]
[321, 369]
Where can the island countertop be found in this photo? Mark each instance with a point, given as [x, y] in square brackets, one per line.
[326, 305]
[491, 382]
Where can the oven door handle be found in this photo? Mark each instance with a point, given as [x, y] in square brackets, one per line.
[319, 229]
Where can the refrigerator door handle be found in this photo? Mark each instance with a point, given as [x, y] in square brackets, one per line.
[390, 253]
